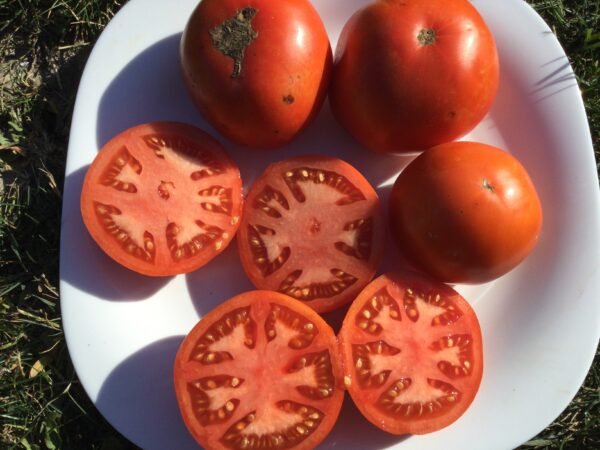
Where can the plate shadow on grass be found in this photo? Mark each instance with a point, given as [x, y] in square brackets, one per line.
[139, 398]
[84, 265]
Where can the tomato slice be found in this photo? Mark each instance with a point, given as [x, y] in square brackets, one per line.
[162, 198]
[259, 371]
[412, 354]
[313, 229]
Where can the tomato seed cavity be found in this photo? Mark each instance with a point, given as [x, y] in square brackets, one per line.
[293, 178]
[363, 354]
[305, 330]
[390, 402]
[342, 281]
[381, 303]
[303, 421]
[147, 252]
[236, 321]
[120, 163]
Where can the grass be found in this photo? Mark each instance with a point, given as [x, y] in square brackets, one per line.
[43, 48]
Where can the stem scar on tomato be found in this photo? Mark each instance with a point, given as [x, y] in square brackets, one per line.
[427, 36]
[487, 185]
[233, 36]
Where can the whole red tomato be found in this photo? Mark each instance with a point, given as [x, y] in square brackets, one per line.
[257, 70]
[465, 212]
[411, 74]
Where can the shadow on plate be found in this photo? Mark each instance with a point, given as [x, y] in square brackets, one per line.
[83, 263]
[353, 432]
[139, 400]
[149, 88]
[219, 280]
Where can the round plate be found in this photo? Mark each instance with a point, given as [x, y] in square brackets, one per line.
[540, 323]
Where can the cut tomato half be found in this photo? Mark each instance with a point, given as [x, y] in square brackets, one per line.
[412, 354]
[312, 229]
[162, 198]
[260, 371]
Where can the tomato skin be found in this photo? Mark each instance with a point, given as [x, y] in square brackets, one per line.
[465, 212]
[159, 200]
[312, 250]
[406, 335]
[395, 94]
[260, 302]
[284, 73]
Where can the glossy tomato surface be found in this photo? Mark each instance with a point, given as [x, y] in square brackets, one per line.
[465, 212]
[411, 74]
[312, 228]
[260, 371]
[162, 198]
[412, 354]
[257, 70]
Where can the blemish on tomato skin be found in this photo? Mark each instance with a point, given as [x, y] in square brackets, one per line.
[288, 99]
[233, 36]
[487, 185]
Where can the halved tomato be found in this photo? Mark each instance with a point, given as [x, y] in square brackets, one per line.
[162, 198]
[312, 228]
[260, 371]
[412, 354]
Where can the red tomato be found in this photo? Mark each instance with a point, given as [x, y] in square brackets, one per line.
[465, 212]
[259, 371]
[257, 70]
[162, 198]
[312, 228]
[411, 74]
[412, 354]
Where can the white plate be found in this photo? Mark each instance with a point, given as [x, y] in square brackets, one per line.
[541, 322]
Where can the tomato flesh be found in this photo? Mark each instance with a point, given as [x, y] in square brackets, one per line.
[259, 371]
[162, 198]
[412, 354]
[312, 229]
